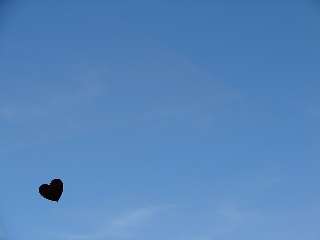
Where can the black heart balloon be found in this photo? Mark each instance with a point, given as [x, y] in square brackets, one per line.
[53, 191]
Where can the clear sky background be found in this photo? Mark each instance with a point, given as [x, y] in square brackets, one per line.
[167, 120]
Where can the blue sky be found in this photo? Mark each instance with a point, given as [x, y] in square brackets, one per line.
[164, 119]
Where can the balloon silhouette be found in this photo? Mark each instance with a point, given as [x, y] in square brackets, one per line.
[53, 191]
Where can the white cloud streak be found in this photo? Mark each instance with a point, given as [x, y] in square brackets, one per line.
[121, 227]
[156, 82]
[229, 218]
[91, 87]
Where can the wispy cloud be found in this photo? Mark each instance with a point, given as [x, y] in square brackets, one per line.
[229, 212]
[56, 102]
[134, 218]
[120, 227]
[155, 82]
[127, 225]
[229, 218]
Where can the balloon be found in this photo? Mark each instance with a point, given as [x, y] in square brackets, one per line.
[53, 191]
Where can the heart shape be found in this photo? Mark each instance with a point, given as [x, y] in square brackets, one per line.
[53, 191]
